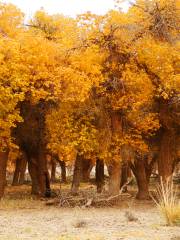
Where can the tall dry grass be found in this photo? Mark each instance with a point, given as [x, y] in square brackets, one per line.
[167, 202]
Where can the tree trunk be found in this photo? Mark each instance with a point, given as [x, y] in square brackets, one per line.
[16, 172]
[99, 175]
[43, 173]
[115, 167]
[114, 178]
[166, 155]
[63, 171]
[48, 187]
[23, 169]
[149, 166]
[20, 169]
[141, 178]
[77, 176]
[124, 176]
[33, 172]
[53, 170]
[87, 166]
[3, 165]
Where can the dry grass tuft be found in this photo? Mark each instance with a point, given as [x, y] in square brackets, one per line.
[167, 202]
[80, 224]
[130, 216]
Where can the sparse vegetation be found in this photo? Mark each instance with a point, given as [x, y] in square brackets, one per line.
[129, 215]
[80, 223]
[168, 203]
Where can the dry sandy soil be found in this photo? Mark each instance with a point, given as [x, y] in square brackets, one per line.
[30, 219]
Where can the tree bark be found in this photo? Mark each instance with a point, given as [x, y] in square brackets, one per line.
[48, 192]
[3, 165]
[124, 176]
[114, 178]
[43, 174]
[23, 169]
[167, 142]
[33, 172]
[53, 170]
[87, 166]
[20, 170]
[139, 171]
[115, 166]
[166, 155]
[99, 175]
[16, 172]
[77, 176]
[63, 171]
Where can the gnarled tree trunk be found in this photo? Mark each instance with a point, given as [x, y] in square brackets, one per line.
[142, 181]
[166, 156]
[23, 169]
[77, 176]
[87, 166]
[63, 171]
[114, 177]
[33, 172]
[124, 176]
[3, 165]
[53, 169]
[16, 172]
[19, 174]
[115, 165]
[142, 169]
[43, 174]
[99, 175]
[167, 143]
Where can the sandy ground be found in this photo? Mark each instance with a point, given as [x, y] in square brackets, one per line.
[53, 223]
[25, 218]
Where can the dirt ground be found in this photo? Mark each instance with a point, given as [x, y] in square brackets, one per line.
[26, 218]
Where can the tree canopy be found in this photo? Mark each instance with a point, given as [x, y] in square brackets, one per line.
[108, 81]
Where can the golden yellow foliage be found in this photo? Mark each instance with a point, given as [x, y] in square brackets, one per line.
[90, 67]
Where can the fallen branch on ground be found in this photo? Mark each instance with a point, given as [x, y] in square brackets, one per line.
[86, 201]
